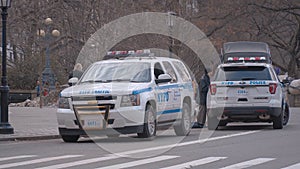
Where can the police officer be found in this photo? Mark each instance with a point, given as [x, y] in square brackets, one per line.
[203, 90]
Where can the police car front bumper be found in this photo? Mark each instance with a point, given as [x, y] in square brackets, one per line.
[124, 121]
[81, 132]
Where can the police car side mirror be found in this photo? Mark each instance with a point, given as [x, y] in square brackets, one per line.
[163, 78]
[73, 81]
[285, 81]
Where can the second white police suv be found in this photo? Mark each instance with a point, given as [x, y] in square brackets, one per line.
[246, 88]
[128, 92]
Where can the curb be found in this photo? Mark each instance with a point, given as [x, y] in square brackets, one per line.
[30, 138]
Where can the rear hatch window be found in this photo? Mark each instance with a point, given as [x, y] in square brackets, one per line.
[242, 84]
[243, 73]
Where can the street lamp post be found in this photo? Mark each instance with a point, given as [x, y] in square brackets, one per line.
[170, 24]
[5, 127]
[47, 75]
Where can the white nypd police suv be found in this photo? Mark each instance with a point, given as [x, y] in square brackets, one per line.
[242, 91]
[128, 92]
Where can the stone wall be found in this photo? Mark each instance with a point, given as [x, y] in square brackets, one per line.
[297, 100]
[45, 101]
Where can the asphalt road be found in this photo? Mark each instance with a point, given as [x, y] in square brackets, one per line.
[236, 146]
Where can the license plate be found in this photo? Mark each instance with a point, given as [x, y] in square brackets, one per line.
[242, 92]
[92, 122]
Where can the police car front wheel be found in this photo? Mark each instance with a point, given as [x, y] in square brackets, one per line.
[70, 138]
[149, 129]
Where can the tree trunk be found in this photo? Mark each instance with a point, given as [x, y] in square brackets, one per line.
[292, 67]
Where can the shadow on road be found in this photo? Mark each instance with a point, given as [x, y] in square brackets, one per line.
[127, 139]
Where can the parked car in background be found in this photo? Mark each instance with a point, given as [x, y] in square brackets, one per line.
[246, 88]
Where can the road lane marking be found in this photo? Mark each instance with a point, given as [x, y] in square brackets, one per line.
[125, 153]
[195, 163]
[16, 157]
[139, 162]
[249, 163]
[295, 166]
[81, 162]
[41, 160]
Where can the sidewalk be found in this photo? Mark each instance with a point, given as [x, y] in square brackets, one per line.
[32, 123]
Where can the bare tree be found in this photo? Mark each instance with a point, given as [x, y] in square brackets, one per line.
[278, 22]
[77, 20]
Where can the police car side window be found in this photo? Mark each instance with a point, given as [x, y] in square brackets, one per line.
[170, 70]
[182, 71]
[273, 74]
[158, 70]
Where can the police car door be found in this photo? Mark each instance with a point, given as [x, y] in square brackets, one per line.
[162, 94]
[167, 101]
[185, 81]
[174, 102]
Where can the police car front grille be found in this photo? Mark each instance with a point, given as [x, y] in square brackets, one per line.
[95, 107]
[94, 103]
[88, 98]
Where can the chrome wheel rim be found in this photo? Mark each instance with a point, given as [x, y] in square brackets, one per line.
[151, 123]
[186, 119]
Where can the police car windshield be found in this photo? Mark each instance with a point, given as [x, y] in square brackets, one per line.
[137, 72]
[243, 73]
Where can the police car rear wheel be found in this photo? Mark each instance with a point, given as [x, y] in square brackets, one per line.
[286, 115]
[113, 135]
[70, 138]
[149, 129]
[222, 123]
[184, 127]
[278, 122]
[212, 123]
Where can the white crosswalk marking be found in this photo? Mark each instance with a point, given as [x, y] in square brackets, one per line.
[37, 161]
[16, 157]
[295, 166]
[81, 162]
[185, 143]
[249, 163]
[139, 162]
[195, 163]
[134, 163]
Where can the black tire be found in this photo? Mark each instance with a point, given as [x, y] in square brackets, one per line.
[70, 138]
[286, 115]
[278, 122]
[222, 123]
[184, 127]
[113, 135]
[149, 129]
[212, 123]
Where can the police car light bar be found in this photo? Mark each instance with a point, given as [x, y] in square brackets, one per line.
[236, 59]
[131, 52]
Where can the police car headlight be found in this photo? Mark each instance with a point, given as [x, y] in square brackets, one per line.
[63, 103]
[130, 100]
